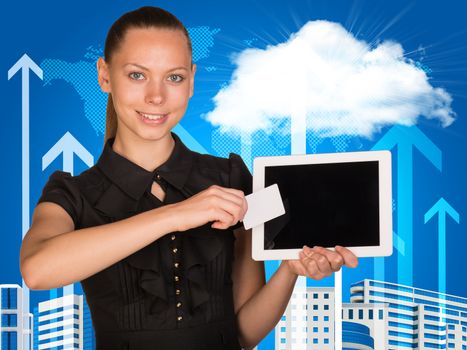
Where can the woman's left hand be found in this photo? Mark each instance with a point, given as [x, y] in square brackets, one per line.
[318, 263]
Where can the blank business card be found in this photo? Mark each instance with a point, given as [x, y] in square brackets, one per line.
[263, 205]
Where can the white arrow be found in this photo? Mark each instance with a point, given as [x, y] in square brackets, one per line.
[69, 146]
[25, 64]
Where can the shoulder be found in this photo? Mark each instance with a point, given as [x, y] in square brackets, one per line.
[71, 192]
[88, 178]
[232, 170]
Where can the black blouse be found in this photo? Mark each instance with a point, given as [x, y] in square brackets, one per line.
[175, 293]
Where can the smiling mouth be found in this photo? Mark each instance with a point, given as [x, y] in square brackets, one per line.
[152, 116]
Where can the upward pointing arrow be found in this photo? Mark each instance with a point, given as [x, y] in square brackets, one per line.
[442, 208]
[69, 146]
[405, 138]
[25, 64]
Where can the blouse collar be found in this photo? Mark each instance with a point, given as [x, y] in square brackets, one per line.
[135, 180]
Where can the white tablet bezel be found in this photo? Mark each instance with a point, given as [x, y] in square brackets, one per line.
[385, 199]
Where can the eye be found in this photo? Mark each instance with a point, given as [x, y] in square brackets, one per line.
[175, 78]
[136, 76]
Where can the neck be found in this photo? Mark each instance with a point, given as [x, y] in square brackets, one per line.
[148, 154]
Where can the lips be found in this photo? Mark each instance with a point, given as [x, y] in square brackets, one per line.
[151, 116]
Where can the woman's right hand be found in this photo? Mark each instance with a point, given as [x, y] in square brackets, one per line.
[220, 205]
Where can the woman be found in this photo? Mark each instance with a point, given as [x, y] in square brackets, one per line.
[153, 231]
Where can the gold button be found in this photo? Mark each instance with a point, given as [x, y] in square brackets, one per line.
[177, 278]
[176, 265]
[175, 250]
[177, 291]
[179, 304]
[179, 318]
[172, 237]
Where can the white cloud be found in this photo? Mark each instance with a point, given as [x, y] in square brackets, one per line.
[340, 85]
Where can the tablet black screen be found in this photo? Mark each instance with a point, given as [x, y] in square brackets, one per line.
[326, 205]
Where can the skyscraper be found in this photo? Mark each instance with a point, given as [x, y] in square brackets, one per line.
[16, 324]
[60, 323]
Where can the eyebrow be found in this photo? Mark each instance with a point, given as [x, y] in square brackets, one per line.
[147, 69]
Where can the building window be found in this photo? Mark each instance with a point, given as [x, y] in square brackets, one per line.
[315, 329]
[326, 296]
[326, 329]
[315, 295]
[326, 307]
[370, 314]
[315, 318]
[282, 329]
[380, 314]
[9, 296]
[9, 320]
[326, 318]
[315, 307]
[326, 340]
[350, 314]
[283, 318]
[315, 340]
[360, 314]
[282, 340]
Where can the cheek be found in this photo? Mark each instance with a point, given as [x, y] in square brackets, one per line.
[179, 96]
[129, 93]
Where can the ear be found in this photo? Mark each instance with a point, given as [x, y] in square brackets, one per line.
[192, 82]
[103, 75]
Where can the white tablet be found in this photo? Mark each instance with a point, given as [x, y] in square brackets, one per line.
[330, 199]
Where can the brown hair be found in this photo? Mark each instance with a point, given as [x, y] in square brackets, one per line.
[144, 17]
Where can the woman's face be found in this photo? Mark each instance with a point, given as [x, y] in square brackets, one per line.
[151, 80]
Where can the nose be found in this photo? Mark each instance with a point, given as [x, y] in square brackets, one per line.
[155, 93]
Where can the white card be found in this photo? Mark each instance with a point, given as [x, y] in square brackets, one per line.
[263, 205]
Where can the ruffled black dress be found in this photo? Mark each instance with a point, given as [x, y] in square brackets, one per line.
[175, 293]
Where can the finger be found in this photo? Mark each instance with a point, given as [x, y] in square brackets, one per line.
[222, 219]
[350, 259]
[311, 266]
[227, 194]
[233, 194]
[335, 259]
[232, 208]
[323, 264]
[321, 260]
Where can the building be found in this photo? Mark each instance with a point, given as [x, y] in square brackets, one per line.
[60, 323]
[374, 320]
[15, 324]
[416, 318]
[356, 336]
[308, 321]
[15, 330]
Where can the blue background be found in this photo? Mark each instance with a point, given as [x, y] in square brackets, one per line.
[74, 32]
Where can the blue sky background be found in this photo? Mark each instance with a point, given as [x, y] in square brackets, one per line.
[75, 31]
